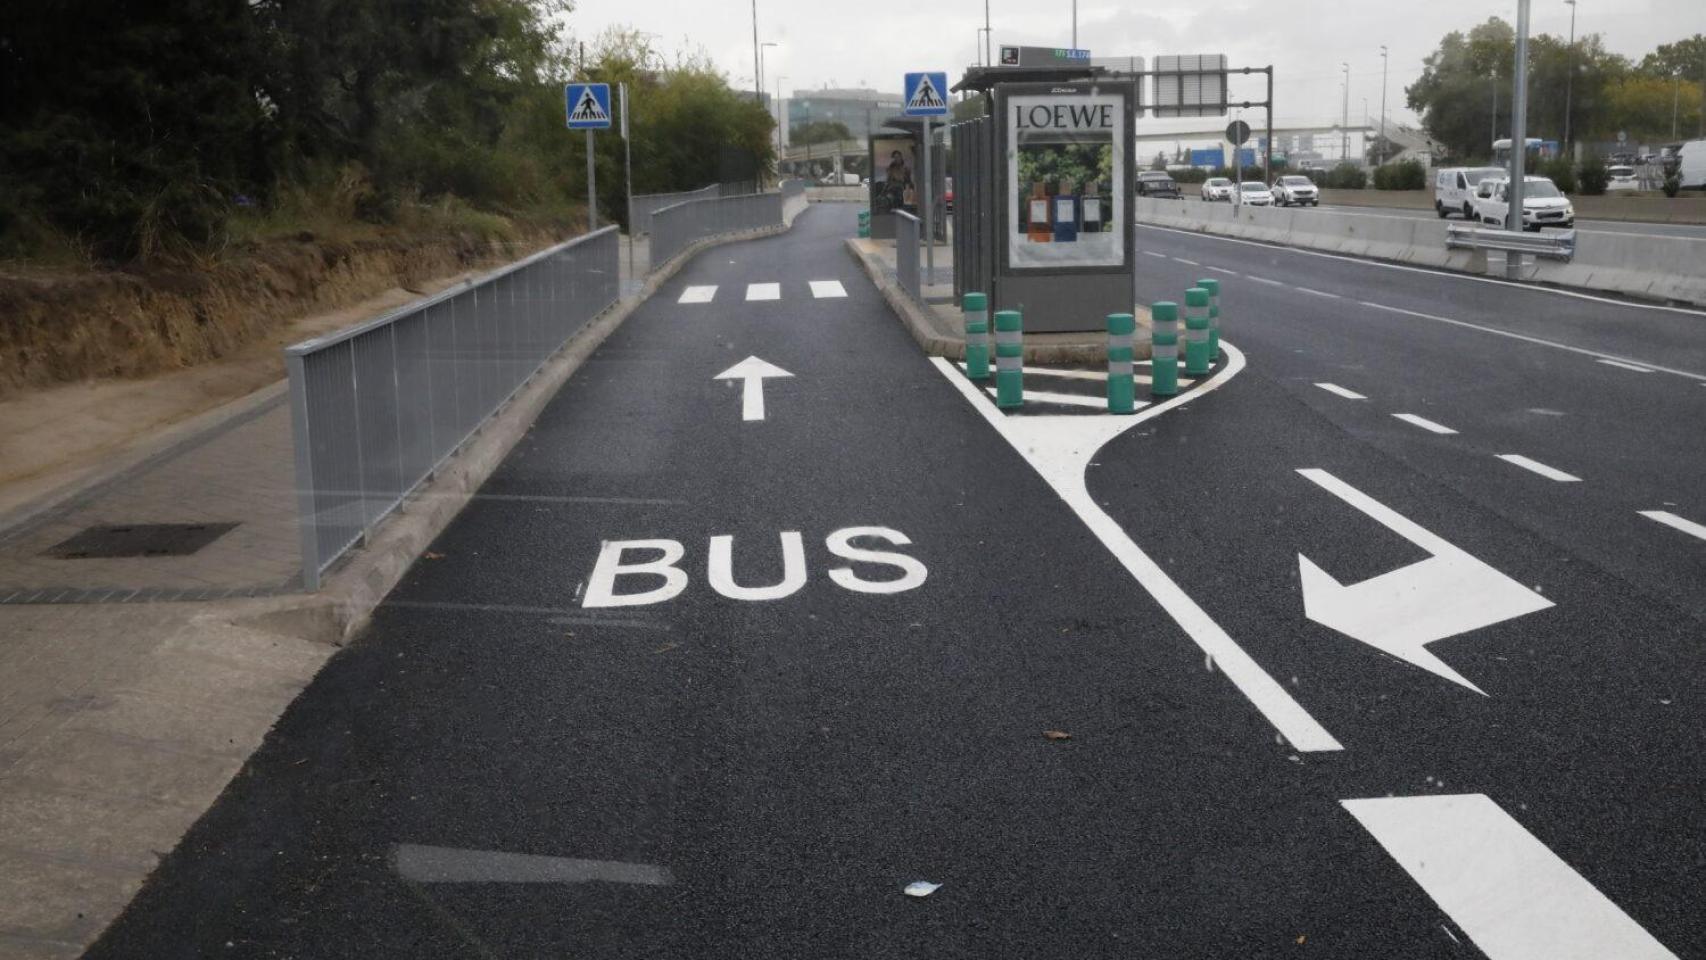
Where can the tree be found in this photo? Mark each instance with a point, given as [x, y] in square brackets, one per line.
[1684, 60]
[820, 131]
[1454, 93]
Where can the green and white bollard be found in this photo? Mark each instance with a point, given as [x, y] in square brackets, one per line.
[1121, 388]
[1164, 352]
[1009, 359]
[1196, 332]
[1213, 287]
[864, 223]
[976, 307]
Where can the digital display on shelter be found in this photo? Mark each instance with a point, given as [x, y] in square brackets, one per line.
[1067, 165]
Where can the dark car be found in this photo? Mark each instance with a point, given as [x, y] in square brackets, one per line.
[1159, 185]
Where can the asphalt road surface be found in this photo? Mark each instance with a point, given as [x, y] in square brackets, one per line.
[1586, 227]
[714, 671]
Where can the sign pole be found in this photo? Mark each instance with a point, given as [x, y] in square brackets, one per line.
[929, 213]
[591, 189]
[628, 177]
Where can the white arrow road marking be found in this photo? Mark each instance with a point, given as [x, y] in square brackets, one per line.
[1672, 520]
[1337, 390]
[764, 291]
[1514, 897]
[822, 289]
[753, 371]
[1424, 423]
[1059, 447]
[1536, 466]
[699, 294]
[1402, 611]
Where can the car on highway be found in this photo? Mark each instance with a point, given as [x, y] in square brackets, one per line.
[1454, 189]
[1621, 177]
[1216, 188]
[1543, 204]
[1296, 190]
[1158, 185]
[1255, 193]
[1691, 165]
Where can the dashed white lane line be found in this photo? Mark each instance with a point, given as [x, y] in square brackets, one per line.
[1152, 253]
[764, 291]
[1550, 473]
[1625, 366]
[825, 289]
[1191, 262]
[1424, 423]
[1672, 520]
[1231, 273]
[1337, 390]
[701, 294]
[1271, 283]
[1514, 897]
[1318, 293]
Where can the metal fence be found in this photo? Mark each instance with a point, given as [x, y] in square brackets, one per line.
[975, 215]
[376, 408]
[676, 227]
[646, 204]
[907, 230]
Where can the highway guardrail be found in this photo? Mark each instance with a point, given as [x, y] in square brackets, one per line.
[1553, 245]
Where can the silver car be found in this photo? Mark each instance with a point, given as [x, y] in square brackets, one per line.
[1217, 188]
[1297, 190]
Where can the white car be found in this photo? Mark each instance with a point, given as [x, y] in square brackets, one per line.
[1255, 193]
[1296, 189]
[1454, 189]
[1621, 178]
[1543, 204]
[1216, 188]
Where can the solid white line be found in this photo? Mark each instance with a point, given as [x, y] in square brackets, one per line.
[1672, 520]
[1424, 423]
[1191, 262]
[701, 294]
[1447, 274]
[1071, 399]
[1152, 253]
[1514, 897]
[1271, 283]
[1538, 467]
[1066, 477]
[1625, 366]
[1334, 388]
[1318, 293]
[824, 289]
[423, 864]
[764, 291]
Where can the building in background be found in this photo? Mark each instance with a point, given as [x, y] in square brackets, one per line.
[860, 109]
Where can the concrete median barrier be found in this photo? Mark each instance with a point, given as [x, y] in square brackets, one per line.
[1650, 267]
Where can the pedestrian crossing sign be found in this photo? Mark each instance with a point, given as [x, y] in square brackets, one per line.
[588, 105]
[926, 94]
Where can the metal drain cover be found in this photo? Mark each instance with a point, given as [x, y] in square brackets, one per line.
[140, 540]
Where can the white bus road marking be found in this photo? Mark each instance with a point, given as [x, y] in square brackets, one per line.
[824, 289]
[423, 864]
[1401, 611]
[1549, 473]
[1060, 448]
[1512, 895]
[1672, 520]
[1424, 423]
[1337, 390]
[1318, 293]
[1625, 366]
[764, 291]
[698, 294]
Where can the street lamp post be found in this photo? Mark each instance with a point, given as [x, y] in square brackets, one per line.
[1570, 78]
[1383, 65]
[1495, 126]
[779, 117]
[1345, 119]
[757, 62]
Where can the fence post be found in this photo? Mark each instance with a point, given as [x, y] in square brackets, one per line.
[1009, 359]
[1121, 390]
[1164, 353]
[1213, 287]
[976, 307]
[1196, 332]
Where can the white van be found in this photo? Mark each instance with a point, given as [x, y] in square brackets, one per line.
[1691, 169]
[1543, 204]
[1454, 189]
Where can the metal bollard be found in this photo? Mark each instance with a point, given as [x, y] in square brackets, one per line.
[1121, 389]
[864, 223]
[976, 307]
[1164, 353]
[1196, 332]
[1009, 359]
[1213, 287]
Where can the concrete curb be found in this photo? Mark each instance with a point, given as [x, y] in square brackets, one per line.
[937, 340]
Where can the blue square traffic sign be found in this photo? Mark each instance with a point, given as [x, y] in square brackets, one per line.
[588, 105]
[926, 94]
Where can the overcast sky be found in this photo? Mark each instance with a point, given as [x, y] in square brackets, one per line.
[872, 44]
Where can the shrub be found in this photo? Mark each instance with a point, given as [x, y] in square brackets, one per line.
[1346, 176]
[1593, 176]
[1560, 172]
[1189, 175]
[1404, 175]
[1673, 183]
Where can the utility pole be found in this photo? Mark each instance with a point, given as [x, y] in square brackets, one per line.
[1345, 119]
[757, 64]
[1383, 64]
[1075, 24]
[1495, 128]
[1570, 78]
[1675, 99]
[987, 59]
[1519, 135]
[779, 117]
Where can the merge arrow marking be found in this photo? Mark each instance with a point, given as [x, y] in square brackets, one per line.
[1402, 611]
[753, 372]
